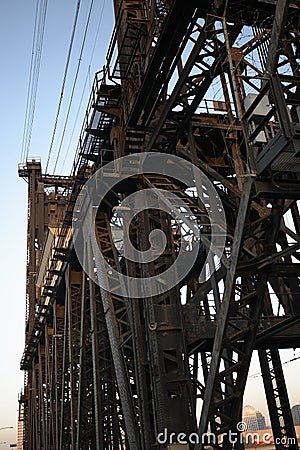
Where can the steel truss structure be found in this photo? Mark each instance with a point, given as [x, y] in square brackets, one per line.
[215, 83]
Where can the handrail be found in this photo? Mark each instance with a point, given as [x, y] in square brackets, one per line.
[88, 111]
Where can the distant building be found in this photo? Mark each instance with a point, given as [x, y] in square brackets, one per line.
[296, 415]
[253, 418]
[20, 435]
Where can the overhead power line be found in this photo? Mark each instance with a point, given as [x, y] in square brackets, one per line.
[35, 63]
[260, 374]
[75, 122]
[74, 84]
[63, 84]
[84, 87]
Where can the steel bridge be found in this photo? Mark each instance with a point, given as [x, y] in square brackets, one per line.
[217, 84]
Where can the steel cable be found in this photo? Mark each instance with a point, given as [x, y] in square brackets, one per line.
[63, 84]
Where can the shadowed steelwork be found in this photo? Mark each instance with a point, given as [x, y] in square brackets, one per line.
[215, 83]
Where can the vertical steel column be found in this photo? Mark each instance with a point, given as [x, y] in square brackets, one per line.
[36, 438]
[42, 397]
[74, 328]
[166, 350]
[58, 349]
[85, 414]
[98, 418]
[278, 400]
[224, 310]
[110, 303]
[49, 387]
[65, 416]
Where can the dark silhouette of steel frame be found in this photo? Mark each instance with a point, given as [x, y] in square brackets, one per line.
[106, 372]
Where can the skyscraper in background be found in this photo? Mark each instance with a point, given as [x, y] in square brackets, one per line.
[254, 419]
[296, 414]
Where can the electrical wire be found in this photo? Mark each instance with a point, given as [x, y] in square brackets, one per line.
[84, 87]
[29, 84]
[40, 41]
[74, 84]
[259, 374]
[35, 63]
[75, 122]
[35, 89]
[63, 83]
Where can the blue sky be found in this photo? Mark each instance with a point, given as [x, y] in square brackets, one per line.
[16, 28]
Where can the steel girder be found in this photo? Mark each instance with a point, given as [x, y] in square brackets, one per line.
[107, 366]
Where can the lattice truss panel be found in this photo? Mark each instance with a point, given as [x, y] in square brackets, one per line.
[216, 84]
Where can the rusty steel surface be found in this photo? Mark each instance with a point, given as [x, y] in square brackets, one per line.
[110, 365]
